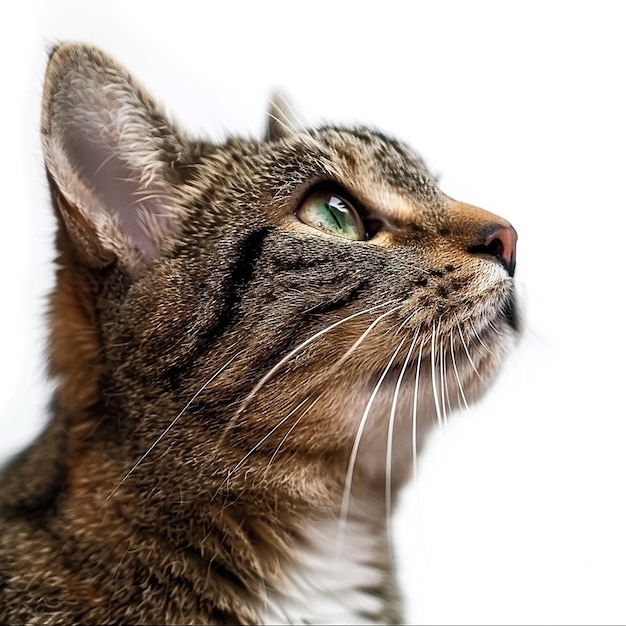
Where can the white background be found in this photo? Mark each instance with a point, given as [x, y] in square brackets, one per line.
[519, 513]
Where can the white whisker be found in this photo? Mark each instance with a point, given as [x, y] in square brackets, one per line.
[415, 405]
[345, 503]
[282, 441]
[456, 371]
[360, 340]
[433, 371]
[444, 383]
[479, 339]
[469, 358]
[172, 423]
[392, 419]
[286, 358]
[259, 444]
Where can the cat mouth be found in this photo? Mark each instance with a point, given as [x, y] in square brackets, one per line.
[511, 313]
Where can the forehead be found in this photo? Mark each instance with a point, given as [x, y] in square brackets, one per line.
[380, 159]
[382, 173]
[379, 171]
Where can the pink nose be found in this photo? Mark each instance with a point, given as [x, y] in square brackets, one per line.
[500, 243]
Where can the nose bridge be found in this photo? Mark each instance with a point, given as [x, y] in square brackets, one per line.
[468, 221]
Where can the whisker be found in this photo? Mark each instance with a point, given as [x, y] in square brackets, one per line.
[285, 359]
[456, 371]
[493, 327]
[488, 350]
[433, 369]
[469, 358]
[259, 444]
[360, 340]
[172, 423]
[415, 405]
[282, 441]
[345, 503]
[444, 383]
[392, 419]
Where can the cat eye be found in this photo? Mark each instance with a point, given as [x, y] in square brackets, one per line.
[331, 213]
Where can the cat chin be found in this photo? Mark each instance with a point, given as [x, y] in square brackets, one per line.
[389, 420]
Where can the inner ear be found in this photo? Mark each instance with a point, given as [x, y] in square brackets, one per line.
[111, 154]
[117, 185]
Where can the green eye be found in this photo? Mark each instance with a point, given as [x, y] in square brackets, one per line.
[331, 214]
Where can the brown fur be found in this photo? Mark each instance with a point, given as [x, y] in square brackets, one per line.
[198, 432]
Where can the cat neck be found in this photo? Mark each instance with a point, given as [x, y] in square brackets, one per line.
[271, 559]
[341, 573]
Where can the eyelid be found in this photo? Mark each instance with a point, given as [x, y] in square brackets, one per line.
[332, 188]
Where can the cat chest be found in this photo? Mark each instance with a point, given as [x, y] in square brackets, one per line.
[330, 583]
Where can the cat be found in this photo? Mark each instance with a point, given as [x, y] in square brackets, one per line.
[249, 341]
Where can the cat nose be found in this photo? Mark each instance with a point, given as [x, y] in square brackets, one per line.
[499, 242]
[483, 233]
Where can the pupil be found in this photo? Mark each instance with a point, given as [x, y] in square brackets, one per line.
[333, 213]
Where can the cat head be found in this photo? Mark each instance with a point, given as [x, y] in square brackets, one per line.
[257, 312]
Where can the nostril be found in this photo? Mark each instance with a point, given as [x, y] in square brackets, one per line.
[501, 245]
[495, 248]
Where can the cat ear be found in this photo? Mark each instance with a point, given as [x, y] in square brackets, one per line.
[281, 120]
[110, 156]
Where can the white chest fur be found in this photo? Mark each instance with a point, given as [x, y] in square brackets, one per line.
[332, 582]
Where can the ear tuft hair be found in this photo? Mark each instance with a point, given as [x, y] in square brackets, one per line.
[281, 121]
